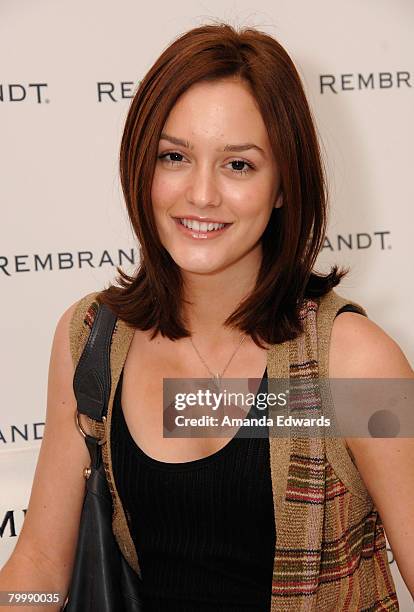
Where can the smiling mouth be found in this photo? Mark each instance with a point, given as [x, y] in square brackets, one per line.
[195, 230]
[201, 226]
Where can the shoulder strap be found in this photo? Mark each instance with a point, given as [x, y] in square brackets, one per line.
[118, 338]
[80, 329]
[92, 378]
[81, 323]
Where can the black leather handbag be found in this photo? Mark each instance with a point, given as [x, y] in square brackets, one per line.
[102, 579]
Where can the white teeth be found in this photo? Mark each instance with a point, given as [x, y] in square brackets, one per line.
[201, 227]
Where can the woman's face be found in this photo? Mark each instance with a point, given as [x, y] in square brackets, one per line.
[215, 164]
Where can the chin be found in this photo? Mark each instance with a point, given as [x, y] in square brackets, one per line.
[206, 267]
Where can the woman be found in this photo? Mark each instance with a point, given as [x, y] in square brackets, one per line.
[222, 177]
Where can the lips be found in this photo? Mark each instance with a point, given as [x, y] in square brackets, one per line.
[203, 219]
[201, 227]
[199, 234]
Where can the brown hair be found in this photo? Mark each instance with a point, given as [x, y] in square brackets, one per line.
[152, 298]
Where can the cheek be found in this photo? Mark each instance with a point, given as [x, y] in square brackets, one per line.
[254, 211]
[255, 218]
[158, 191]
[253, 198]
[163, 189]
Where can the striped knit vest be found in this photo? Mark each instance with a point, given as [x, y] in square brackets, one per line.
[330, 545]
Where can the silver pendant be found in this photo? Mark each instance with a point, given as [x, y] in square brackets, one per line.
[217, 381]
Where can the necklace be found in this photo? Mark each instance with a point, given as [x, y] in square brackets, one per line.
[218, 376]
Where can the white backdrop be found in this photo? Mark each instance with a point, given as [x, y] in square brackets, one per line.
[68, 70]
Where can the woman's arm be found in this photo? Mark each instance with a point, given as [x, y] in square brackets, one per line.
[361, 349]
[44, 553]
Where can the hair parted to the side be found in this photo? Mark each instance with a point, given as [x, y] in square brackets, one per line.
[151, 299]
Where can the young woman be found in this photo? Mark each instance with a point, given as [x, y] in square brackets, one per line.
[223, 182]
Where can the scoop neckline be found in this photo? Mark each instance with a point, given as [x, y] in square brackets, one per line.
[179, 465]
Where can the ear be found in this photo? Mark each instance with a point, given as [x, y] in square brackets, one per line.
[279, 201]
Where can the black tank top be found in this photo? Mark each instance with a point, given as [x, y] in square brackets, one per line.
[204, 529]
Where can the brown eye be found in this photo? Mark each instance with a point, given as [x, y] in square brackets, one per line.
[241, 162]
[172, 161]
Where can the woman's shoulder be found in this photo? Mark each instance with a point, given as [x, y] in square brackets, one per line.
[360, 348]
[351, 345]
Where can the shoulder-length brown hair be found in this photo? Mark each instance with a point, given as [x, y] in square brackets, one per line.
[153, 296]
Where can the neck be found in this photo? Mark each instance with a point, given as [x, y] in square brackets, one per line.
[214, 297]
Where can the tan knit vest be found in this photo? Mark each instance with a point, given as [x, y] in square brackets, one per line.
[330, 546]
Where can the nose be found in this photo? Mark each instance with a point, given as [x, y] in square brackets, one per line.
[202, 190]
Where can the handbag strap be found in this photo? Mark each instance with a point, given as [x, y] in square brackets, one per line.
[92, 377]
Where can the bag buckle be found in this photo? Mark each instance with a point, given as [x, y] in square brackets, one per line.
[84, 433]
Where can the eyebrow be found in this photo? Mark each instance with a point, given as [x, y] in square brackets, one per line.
[229, 147]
